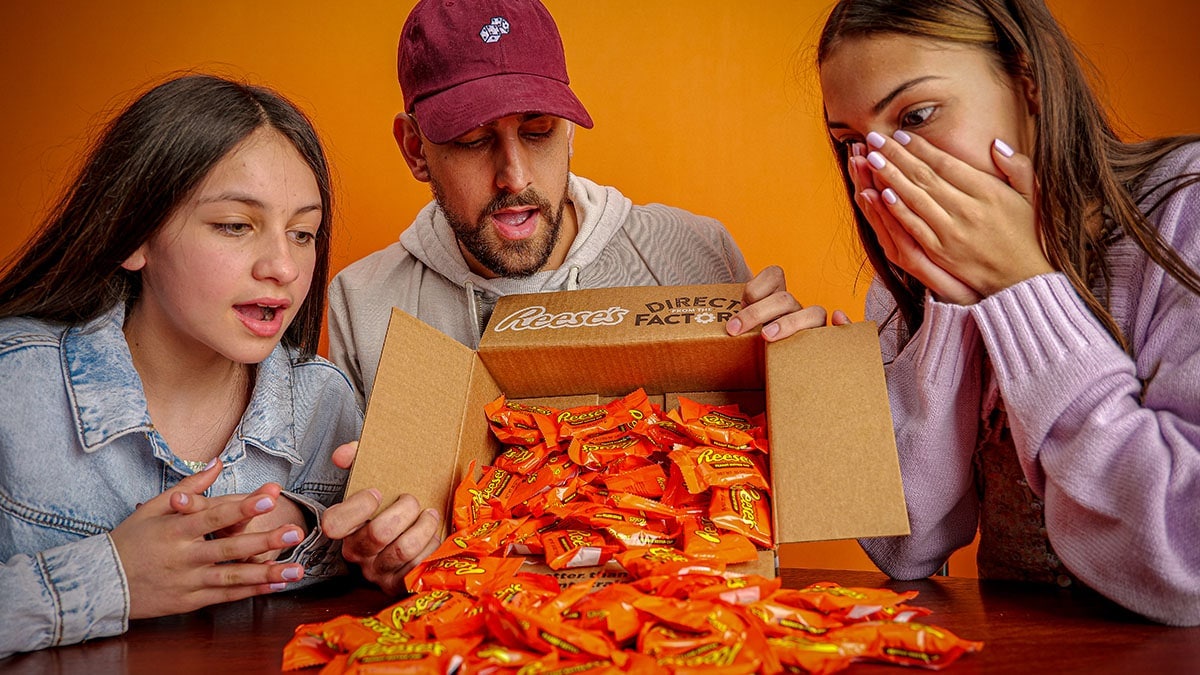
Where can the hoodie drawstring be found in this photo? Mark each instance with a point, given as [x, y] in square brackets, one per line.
[573, 278]
[473, 308]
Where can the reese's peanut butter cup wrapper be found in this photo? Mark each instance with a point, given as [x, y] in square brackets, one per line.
[416, 613]
[703, 539]
[628, 501]
[644, 480]
[802, 654]
[584, 421]
[705, 467]
[721, 426]
[656, 561]
[466, 572]
[307, 648]
[521, 460]
[493, 658]
[527, 539]
[476, 500]
[521, 424]
[740, 589]
[744, 509]
[907, 644]
[486, 537]
[597, 451]
[526, 628]
[849, 603]
[611, 610]
[778, 619]
[573, 547]
[413, 657]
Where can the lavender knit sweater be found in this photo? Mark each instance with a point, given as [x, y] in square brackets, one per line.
[1111, 444]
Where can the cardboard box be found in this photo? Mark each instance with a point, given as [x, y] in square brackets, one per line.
[834, 468]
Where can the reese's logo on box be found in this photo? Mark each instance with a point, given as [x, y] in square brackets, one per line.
[674, 310]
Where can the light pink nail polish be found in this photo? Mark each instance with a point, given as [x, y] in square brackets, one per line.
[292, 537]
[1003, 147]
[901, 137]
[263, 504]
[292, 574]
[875, 139]
[876, 160]
[278, 586]
[889, 195]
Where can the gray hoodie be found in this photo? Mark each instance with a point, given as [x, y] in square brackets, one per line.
[424, 274]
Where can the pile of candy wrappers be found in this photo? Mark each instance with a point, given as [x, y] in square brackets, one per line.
[672, 498]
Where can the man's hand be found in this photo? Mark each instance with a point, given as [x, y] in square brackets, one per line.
[386, 546]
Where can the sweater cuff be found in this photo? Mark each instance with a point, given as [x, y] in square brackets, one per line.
[944, 344]
[1030, 326]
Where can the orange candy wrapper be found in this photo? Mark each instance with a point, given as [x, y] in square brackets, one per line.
[744, 509]
[623, 481]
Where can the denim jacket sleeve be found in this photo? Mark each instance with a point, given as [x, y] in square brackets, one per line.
[62, 596]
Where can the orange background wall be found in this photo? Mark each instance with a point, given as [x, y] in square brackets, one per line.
[709, 105]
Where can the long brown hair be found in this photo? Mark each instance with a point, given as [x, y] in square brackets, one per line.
[1084, 170]
[147, 162]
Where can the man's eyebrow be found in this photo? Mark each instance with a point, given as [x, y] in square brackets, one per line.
[886, 100]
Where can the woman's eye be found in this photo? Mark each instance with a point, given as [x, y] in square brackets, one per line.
[915, 118]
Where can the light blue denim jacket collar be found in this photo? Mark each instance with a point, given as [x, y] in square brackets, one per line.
[109, 400]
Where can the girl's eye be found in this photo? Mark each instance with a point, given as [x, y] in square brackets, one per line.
[303, 238]
[915, 118]
[232, 228]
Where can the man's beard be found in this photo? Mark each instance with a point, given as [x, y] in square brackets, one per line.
[503, 257]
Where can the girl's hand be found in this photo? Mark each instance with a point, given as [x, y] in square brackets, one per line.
[171, 566]
[979, 228]
[898, 245]
[766, 302]
[284, 512]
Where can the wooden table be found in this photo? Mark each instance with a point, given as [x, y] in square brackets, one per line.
[1026, 629]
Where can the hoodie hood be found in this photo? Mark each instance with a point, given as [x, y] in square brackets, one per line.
[600, 211]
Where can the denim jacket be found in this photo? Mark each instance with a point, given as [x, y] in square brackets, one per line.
[78, 452]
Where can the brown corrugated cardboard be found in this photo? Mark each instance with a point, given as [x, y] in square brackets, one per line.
[833, 457]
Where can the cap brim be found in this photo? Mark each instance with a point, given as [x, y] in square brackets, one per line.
[449, 114]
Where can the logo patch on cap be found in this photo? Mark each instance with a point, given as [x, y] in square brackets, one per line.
[494, 30]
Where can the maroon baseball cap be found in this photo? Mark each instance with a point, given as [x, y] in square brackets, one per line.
[464, 63]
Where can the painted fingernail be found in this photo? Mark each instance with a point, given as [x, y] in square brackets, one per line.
[770, 330]
[292, 537]
[857, 150]
[263, 504]
[184, 498]
[211, 463]
[1003, 147]
[875, 139]
[876, 160]
[293, 573]
[734, 326]
[901, 137]
[279, 586]
[889, 196]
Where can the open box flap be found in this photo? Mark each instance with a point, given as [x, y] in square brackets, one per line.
[834, 465]
[415, 413]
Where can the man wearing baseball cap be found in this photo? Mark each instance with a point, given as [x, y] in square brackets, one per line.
[488, 122]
